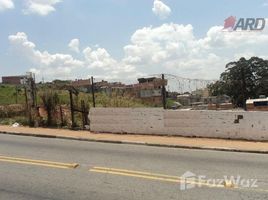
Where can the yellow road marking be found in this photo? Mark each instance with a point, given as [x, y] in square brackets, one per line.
[152, 176]
[253, 189]
[135, 172]
[135, 175]
[38, 162]
[167, 178]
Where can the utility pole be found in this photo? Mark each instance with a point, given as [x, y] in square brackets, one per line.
[164, 92]
[93, 91]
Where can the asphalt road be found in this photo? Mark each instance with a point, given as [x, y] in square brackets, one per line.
[119, 171]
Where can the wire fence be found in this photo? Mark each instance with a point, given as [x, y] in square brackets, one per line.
[67, 103]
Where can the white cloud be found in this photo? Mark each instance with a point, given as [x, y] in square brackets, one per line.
[97, 62]
[6, 4]
[169, 48]
[102, 64]
[174, 49]
[99, 58]
[160, 9]
[43, 63]
[74, 45]
[40, 7]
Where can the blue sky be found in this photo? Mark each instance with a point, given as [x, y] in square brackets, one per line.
[108, 26]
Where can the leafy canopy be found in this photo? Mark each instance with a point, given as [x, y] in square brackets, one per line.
[243, 79]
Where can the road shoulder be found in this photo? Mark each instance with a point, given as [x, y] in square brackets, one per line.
[150, 140]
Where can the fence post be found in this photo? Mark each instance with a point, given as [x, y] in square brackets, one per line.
[93, 91]
[61, 117]
[83, 110]
[28, 109]
[164, 92]
[72, 109]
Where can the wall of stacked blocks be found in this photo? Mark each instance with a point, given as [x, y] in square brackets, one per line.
[156, 121]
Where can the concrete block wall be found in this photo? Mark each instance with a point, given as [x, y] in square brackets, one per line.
[218, 124]
[126, 120]
[214, 124]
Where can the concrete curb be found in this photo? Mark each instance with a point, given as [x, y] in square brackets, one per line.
[138, 143]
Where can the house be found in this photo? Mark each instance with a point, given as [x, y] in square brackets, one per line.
[149, 90]
[84, 85]
[81, 83]
[110, 87]
[216, 99]
[201, 100]
[14, 80]
[188, 99]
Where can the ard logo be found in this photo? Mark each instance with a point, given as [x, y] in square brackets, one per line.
[244, 24]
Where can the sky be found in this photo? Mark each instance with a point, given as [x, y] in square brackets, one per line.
[126, 39]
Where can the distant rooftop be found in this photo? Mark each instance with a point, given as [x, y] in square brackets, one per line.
[144, 80]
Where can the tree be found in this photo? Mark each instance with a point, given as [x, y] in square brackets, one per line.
[243, 79]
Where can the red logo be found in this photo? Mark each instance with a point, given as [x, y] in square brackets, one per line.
[229, 23]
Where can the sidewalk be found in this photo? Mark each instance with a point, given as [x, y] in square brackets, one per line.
[164, 141]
